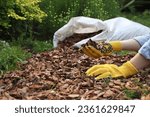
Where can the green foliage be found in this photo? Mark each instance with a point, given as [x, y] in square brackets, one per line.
[33, 46]
[102, 9]
[29, 10]
[132, 94]
[122, 53]
[13, 53]
[17, 17]
[60, 12]
[3, 44]
[40, 46]
[142, 18]
[134, 6]
[19, 10]
[4, 6]
[10, 56]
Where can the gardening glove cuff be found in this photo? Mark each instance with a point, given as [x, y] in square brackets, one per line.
[116, 45]
[128, 69]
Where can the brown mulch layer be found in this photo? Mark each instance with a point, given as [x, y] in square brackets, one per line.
[60, 75]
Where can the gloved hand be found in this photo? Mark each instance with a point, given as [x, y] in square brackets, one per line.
[96, 50]
[111, 70]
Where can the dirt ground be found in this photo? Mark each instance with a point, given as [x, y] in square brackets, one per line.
[59, 74]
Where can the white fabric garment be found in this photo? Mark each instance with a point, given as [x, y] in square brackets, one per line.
[113, 29]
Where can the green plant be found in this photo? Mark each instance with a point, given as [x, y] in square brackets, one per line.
[17, 17]
[40, 46]
[9, 56]
[19, 10]
[142, 18]
[122, 53]
[60, 12]
[3, 44]
[132, 94]
[134, 6]
[101, 9]
[33, 46]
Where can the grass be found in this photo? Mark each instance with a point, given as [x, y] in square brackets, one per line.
[10, 56]
[18, 51]
[34, 46]
[122, 53]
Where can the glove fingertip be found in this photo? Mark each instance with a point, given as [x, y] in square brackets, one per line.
[98, 78]
[88, 74]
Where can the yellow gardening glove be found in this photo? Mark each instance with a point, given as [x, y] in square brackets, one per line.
[96, 50]
[111, 70]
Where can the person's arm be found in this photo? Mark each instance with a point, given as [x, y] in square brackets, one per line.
[142, 59]
[130, 44]
[133, 44]
[139, 61]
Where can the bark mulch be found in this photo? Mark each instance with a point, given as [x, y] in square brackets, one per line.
[59, 74]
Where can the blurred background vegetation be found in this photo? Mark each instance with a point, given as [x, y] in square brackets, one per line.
[27, 26]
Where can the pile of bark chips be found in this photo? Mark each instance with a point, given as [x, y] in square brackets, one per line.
[59, 74]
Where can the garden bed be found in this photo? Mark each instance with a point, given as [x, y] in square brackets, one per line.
[60, 75]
